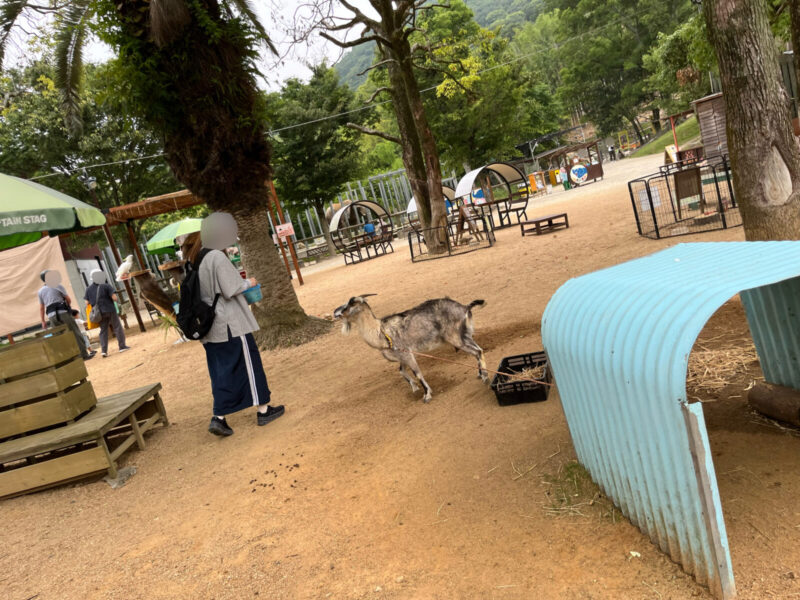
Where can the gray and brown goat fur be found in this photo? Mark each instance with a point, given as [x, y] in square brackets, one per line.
[420, 329]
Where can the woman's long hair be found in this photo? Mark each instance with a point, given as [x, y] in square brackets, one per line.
[191, 247]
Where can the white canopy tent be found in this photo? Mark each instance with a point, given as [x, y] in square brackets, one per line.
[505, 171]
[447, 192]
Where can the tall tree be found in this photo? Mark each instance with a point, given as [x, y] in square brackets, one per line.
[391, 29]
[485, 102]
[187, 67]
[313, 163]
[602, 45]
[765, 159]
[34, 141]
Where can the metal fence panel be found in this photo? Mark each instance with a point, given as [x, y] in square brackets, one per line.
[685, 198]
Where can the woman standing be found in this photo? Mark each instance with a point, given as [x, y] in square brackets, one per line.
[234, 364]
[103, 296]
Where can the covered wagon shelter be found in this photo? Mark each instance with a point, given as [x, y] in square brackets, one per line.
[514, 201]
[352, 239]
[619, 341]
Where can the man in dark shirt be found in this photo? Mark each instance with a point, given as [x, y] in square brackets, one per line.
[104, 296]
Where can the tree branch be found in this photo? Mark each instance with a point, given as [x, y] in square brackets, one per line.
[351, 44]
[375, 66]
[375, 132]
[376, 92]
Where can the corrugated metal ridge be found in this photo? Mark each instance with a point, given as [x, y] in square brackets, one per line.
[619, 341]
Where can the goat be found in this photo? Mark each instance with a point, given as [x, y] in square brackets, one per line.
[423, 328]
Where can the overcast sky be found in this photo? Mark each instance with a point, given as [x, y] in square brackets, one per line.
[277, 15]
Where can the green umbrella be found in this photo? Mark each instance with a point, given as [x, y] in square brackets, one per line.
[27, 208]
[164, 241]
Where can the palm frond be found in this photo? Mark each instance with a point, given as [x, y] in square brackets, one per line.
[70, 37]
[168, 18]
[244, 8]
[10, 10]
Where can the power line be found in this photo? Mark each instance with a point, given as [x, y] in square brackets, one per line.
[334, 116]
[116, 162]
[433, 87]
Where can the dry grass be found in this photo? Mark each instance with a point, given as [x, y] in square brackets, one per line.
[529, 374]
[713, 369]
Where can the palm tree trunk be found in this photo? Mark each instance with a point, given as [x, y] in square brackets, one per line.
[280, 316]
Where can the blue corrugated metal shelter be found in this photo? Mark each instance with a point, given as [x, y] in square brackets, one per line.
[619, 341]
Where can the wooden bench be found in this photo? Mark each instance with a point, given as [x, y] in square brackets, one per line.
[544, 224]
[90, 445]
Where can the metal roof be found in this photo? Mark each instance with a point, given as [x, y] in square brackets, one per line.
[509, 173]
[619, 341]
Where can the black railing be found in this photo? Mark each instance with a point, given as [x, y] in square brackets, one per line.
[458, 237]
[685, 198]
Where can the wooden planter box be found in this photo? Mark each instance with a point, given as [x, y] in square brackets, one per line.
[89, 446]
[42, 384]
[37, 354]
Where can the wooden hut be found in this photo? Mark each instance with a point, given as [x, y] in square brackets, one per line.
[711, 117]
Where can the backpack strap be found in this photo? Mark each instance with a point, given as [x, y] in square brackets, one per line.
[196, 267]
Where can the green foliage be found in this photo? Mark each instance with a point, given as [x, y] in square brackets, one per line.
[313, 163]
[34, 139]
[601, 48]
[687, 131]
[678, 64]
[485, 104]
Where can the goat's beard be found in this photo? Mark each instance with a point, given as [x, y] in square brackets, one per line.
[345, 328]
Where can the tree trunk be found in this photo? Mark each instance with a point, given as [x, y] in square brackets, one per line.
[764, 154]
[656, 120]
[637, 130]
[430, 154]
[280, 316]
[215, 142]
[326, 229]
[414, 159]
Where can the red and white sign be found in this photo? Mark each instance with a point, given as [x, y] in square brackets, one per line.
[284, 230]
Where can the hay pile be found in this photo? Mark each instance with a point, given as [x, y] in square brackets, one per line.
[711, 370]
[528, 374]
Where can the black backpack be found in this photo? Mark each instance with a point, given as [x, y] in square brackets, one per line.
[195, 317]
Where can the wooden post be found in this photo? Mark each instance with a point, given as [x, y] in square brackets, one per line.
[136, 249]
[115, 251]
[674, 135]
[288, 242]
[274, 216]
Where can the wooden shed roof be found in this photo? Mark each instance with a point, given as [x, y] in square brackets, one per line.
[151, 207]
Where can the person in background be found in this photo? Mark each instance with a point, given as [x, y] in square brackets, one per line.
[565, 178]
[102, 295]
[369, 230]
[234, 363]
[82, 326]
[55, 306]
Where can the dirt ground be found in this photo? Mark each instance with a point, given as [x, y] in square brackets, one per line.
[363, 491]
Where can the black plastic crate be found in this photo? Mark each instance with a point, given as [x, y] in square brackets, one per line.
[517, 392]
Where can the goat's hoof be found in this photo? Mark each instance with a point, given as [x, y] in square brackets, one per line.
[427, 399]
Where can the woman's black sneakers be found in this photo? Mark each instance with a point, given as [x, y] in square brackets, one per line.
[219, 427]
[273, 412]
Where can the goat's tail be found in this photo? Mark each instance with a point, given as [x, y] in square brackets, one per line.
[475, 303]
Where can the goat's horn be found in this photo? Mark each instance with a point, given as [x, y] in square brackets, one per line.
[362, 296]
